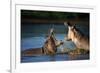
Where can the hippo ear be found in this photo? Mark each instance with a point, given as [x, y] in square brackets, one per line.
[65, 23]
[73, 26]
[69, 24]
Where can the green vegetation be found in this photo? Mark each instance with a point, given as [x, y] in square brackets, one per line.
[53, 15]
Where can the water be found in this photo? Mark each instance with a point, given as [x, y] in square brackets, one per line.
[34, 36]
[59, 57]
[36, 42]
[45, 58]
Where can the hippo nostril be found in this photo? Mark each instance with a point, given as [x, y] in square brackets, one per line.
[61, 42]
[68, 39]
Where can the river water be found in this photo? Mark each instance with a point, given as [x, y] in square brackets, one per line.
[34, 36]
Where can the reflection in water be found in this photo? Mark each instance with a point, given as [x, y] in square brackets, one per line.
[46, 58]
[52, 58]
